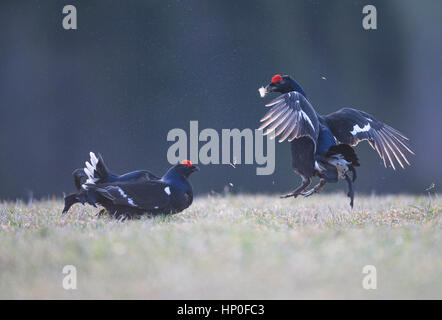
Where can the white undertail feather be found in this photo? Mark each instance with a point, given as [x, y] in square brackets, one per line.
[94, 159]
[90, 168]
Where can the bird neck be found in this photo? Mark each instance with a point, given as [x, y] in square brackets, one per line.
[297, 87]
[174, 177]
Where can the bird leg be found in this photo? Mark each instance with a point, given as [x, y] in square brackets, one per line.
[101, 213]
[315, 189]
[353, 171]
[305, 183]
[350, 190]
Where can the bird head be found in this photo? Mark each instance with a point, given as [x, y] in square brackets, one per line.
[185, 168]
[282, 84]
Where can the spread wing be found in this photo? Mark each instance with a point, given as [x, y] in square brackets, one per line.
[146, 195]
[350, 126]
[290, 116]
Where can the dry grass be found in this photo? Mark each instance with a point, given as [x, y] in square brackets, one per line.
[227, 247]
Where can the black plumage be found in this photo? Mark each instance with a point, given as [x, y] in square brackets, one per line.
[350, 126]
[136, 193]
[96, 171]
[321, 145]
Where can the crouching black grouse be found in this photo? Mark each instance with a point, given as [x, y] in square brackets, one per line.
[138, 194]
[321, 145]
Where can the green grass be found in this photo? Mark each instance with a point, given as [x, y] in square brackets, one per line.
[227, 247]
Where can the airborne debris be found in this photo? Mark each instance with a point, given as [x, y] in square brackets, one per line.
[262, 92]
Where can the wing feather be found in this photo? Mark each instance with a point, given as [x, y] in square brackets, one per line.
[145, 195]
[278, 121]
[402, 142]
[351, 126]
[381, 149]
[386, 148]
[291, 117]
[397, 146]
[275, 101]
[274, 109]
[284, 124]
[273, 117]
[289, 128]
[393, 148]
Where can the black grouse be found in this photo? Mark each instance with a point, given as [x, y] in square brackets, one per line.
[139, 194]
[322, 145]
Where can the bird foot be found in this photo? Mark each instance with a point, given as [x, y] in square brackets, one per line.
[305, 183]
[315, 189]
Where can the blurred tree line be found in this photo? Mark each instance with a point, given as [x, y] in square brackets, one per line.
[136, 69]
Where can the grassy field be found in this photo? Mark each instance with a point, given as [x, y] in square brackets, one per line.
[227, 247]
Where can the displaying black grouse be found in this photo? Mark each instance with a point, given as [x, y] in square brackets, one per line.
[138, 195]
[321, 145]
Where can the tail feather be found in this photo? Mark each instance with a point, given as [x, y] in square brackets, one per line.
[346, 151]
[96, 170]
[100, 168]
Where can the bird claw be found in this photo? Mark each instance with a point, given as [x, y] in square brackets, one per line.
[315, 189]
[308, 193]
[351, 196]
[289, 195]
[305, 183]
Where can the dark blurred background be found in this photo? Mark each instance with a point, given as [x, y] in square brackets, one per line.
[136, 69]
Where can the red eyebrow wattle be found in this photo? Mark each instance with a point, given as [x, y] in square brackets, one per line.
[276, 78]
[186, 163]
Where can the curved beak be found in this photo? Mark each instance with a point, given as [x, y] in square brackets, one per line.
[195, 168]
